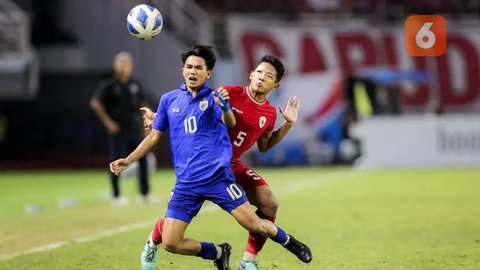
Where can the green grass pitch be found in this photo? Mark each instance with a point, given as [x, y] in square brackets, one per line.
[389, 219]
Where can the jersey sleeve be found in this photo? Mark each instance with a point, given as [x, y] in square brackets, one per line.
[161, 119]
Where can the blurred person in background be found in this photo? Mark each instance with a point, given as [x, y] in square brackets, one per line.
[255, 122]
[116, 102]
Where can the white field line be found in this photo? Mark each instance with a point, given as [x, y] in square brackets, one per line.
[93, 237]
[293, 187]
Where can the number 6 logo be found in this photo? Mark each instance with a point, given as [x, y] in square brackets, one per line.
[425, 35]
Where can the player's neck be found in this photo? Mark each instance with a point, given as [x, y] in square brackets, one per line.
[260, 98]
[193, 91]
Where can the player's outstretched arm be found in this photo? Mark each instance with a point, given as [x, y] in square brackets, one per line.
[143, 148]
[222, 99]
[290, 114]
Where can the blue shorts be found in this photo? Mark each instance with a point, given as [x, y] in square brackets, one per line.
[220, 189]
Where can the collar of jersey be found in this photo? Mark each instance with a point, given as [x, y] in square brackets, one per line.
[204, 89]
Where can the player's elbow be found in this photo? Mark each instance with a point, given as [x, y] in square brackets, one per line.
[153, 137]
[231, 124]
[262, 148]
[94, 103]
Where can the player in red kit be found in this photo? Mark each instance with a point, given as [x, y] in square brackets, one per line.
[255, 122]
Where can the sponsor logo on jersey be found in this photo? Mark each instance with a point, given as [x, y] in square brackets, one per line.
[176, 109]
[237, 110]
[261, 121]
[203, 104]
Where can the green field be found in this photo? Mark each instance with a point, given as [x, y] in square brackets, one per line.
[406, 219]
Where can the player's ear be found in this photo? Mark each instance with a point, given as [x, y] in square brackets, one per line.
[251, 75]
[276, 85]
[209, 74]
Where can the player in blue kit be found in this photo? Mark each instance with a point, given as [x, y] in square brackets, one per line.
[197, 117]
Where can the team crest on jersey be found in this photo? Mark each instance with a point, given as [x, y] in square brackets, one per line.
[203, 104]
[262, 121]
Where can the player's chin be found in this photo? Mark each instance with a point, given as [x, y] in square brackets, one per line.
[194, 84]
[259, 89]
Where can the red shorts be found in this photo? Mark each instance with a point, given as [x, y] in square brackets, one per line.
[246, 177]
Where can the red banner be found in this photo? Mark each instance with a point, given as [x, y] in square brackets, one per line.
[347, 47]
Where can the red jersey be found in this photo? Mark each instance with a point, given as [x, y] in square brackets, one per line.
[252, 119]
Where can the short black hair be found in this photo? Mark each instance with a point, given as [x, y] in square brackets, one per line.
[276, 63]
[203, 51]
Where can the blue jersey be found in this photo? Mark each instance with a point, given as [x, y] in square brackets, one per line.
[198, 137]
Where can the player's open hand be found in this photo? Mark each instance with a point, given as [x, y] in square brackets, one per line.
[223, 93]
[148, 117]
[119, 165]
[291, 109]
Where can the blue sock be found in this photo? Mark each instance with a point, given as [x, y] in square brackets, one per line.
[281, 236]
[208, 251]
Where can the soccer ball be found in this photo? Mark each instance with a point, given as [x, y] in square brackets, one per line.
[144, 22]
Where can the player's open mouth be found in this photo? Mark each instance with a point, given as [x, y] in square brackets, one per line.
[192, 79]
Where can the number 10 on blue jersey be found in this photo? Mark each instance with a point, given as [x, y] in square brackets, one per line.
[190, 124]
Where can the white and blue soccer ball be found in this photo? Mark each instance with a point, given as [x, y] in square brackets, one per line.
[144, 22]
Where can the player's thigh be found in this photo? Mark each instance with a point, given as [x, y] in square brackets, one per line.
[245, 216]
[173, 231]
[226, 194]
[246, 177]
[184, 204]
[224, 191]
[256, 187]
[262, 197]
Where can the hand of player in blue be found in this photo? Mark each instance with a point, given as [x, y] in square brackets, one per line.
[220, 95]
[148, 116]
[290, 113]
[119, 165]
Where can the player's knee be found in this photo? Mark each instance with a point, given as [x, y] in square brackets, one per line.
[270, 207]
[171, 246]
